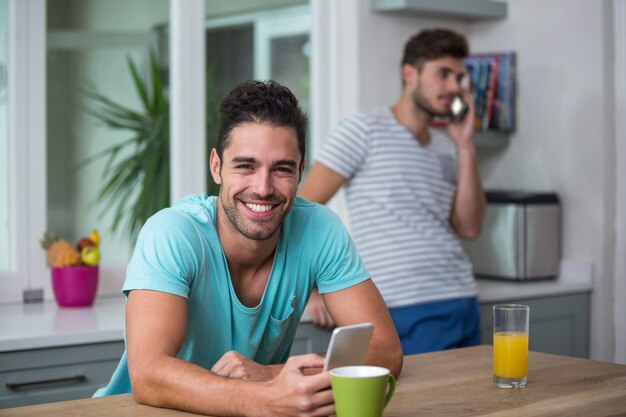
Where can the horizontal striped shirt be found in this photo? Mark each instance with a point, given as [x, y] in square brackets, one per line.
[400, 195]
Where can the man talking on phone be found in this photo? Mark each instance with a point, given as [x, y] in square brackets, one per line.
[412, 192]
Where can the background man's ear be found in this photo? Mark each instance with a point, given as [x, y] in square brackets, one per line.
[216, 167]
[409, 74]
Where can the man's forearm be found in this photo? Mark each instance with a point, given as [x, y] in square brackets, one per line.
[173, 383]
[321, 184]
[469, 202]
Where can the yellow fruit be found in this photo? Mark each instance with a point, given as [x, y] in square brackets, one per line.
[90, 255]
[62, 253]
[95, 237]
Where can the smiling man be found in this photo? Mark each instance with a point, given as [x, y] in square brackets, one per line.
[217, 285]
[412, 192]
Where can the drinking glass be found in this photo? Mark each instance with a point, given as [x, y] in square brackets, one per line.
[510, 345]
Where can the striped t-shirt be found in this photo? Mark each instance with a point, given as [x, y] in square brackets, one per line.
[400, 196]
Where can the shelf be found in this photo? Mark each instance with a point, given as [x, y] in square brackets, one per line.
[454, 9]
[491, 139]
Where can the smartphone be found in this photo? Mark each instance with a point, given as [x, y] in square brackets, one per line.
[348, 345]
[458, 108]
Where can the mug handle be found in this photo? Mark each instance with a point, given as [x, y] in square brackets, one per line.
[392, 388]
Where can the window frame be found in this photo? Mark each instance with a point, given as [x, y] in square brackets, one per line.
[331, 66]
[27, 135]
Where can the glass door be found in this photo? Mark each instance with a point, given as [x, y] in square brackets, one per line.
[282, 45]
[89, 46]
[260, 45]
[50, 52]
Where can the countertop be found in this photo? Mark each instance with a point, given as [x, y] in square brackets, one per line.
[458, 383]
[44, 325]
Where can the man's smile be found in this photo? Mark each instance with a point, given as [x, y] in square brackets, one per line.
[259, 208]
[264, 210]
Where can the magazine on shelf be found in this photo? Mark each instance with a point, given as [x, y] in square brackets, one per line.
[493, 87]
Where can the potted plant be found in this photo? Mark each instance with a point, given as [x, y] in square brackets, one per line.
[136, 185]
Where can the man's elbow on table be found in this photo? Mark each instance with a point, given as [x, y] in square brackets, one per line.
[143, 382]
[397, 360]
[139, 387]
[389, 355]
[363, 303]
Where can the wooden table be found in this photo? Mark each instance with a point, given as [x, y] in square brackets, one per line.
[450, 383]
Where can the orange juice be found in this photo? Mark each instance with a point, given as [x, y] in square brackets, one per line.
[510, 354]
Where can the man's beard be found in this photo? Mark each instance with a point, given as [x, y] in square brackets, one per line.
[264, 229]
[424, 105]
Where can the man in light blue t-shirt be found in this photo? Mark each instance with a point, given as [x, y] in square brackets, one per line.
[217, 285]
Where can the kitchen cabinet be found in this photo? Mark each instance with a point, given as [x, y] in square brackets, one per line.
[559, 324]
[38, 376]
[310, 339]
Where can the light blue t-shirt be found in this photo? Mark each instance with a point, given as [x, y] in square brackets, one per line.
[178, 252]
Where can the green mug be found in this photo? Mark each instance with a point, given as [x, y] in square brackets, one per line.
[361, 391]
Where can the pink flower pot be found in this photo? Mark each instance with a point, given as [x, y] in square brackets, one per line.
[75, 286]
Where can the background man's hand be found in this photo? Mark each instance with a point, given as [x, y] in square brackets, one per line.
[293, 394]
[234, 365]
[318, 312]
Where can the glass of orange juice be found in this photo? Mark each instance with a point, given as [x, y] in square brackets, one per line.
[510, 345]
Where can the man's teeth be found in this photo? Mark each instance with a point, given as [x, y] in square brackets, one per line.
[259, 208]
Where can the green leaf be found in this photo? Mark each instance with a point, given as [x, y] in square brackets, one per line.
[135, 179]
[140, 85]
[157, 85]
[133, 186]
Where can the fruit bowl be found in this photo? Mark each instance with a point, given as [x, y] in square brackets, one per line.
[74, 268]
[75, 286]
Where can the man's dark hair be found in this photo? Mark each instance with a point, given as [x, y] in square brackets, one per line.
[261, 102]
[432, 44]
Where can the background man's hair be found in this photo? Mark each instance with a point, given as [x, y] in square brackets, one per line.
[435, 43]
[263, 102]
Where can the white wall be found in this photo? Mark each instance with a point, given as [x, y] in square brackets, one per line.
[565, 138]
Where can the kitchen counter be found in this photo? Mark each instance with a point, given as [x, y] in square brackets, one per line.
[44, 325]
[496, 291]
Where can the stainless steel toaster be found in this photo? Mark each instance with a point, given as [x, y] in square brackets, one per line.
[520, 238]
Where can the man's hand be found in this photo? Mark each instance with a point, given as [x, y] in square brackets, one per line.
[318, 312]
[234, 365]
[293, 394]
